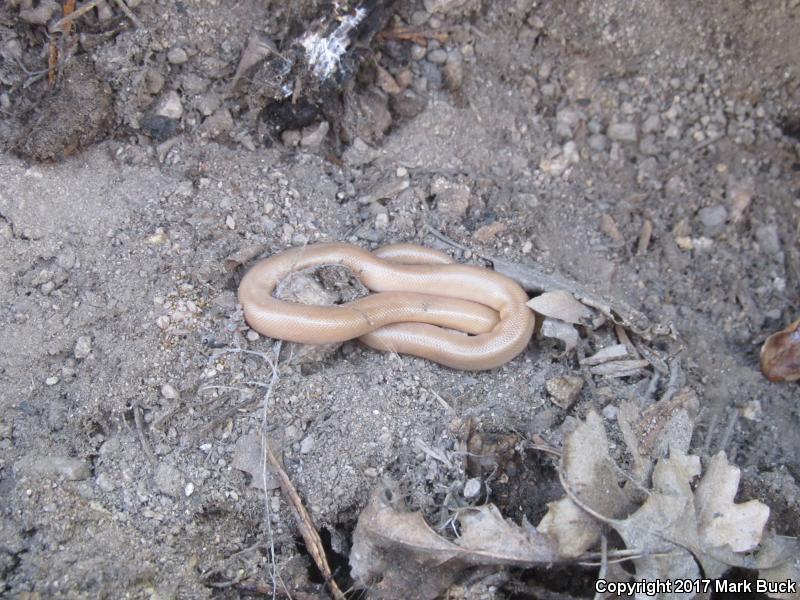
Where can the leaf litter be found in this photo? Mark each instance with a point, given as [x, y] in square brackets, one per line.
[676, 516]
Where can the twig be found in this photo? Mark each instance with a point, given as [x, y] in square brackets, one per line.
[534, 280]
[68, 19]
[603, 563]
[712, 426]
[137, 417]
[304, 524]
[128, 13]
[726, 438]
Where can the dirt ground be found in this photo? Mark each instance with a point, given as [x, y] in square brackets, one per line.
[546, 132]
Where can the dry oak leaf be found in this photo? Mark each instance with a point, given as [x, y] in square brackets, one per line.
[396, 554]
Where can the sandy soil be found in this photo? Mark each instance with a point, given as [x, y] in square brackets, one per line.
[538, 132]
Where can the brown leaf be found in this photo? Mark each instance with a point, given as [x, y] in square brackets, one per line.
[396, 554]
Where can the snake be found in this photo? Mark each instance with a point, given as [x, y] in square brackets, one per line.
[423, 303]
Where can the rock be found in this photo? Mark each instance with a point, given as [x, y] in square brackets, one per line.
[307, 444]
[105, 483]
[360, 153]
[366, 116]
[452, 199]
[72, 469]
[472, 488]
[610, 412]
[598, 142]
[314, 135]
[408, 104]
[218, 124]
[154, 82]
[453, 71]
[768, 239]
[169, 392]
[713, 219]
[177, 56]
[648, 145]
[622, 132]
[442, 6]
[437, 56]
[169, 480]
[488, 232]
[291, 137]
[51, 381]
[39, 15]
[568, 117]
[207, 103]
[564, 390]
[170, 106]
[386, 82]
[652, 124]
[83, 347]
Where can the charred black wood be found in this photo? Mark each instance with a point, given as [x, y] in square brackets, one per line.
[304, 77]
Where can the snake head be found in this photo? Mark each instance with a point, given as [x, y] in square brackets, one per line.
[780, 355]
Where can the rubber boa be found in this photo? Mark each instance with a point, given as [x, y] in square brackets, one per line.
[420, 296]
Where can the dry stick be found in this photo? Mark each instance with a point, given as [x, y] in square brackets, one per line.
[532, 279]
[273, 572]
[128, 13]
[67, 19]
[726, 438]
[602, 573]
[137, 417]
[304, 524]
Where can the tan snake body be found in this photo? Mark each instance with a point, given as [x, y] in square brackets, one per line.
[421, 295]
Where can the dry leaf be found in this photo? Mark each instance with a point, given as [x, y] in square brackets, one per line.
[720, 521]
[590, 474]
[563, 306]
[604, 355]
[620, 368]
[248, 457]
[562, 331]
[779, 562]
[780, 355]
[396, 554]
[667, 514]
[652, 433]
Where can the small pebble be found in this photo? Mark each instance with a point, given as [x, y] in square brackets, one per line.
[307, 444]
[177, 56]
[610, 412]
[437, 56]
[72, 469]
[169, 392]
[105, 483]
[472, 488]
[51, 381]
[170, 106]
[598, 142]
[713, 219]
[564, 390]
[768, 240]
[83, 347]
[252, 336]
[313, 135]
[622, 132]
[169, 480]
[651, 124]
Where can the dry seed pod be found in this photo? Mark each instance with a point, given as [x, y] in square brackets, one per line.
[780, 355]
